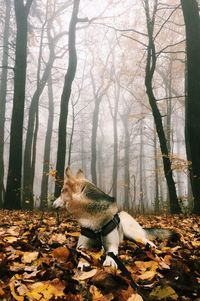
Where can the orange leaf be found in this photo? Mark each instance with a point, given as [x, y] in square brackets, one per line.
[61, 254]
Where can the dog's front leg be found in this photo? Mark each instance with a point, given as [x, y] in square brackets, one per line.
[84, 243]
[111, 244]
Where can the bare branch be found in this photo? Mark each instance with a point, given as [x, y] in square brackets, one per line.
[120, 30]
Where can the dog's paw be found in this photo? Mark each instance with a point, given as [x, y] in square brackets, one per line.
[58, 203]
[151, 244]
[109, 261]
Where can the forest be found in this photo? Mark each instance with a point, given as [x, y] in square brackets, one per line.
[110, 87]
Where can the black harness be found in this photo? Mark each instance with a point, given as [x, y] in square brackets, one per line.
[105, 230]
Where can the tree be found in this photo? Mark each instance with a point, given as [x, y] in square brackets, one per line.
[125, 121]
[3, 91]
[47, 148]
[13, 188]
[33, 116]
[32, 128]
[65, 97]
[192, 125]
[150, 68]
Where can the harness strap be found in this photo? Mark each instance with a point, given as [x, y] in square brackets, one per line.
[105, 230]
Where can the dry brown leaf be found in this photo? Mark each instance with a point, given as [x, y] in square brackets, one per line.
[163, 293]
[61, 254]
[57, 238]
[29, 257]
[74, 234]
[148, 275]
[135, 297]
[144, 265]
[167, 259]
[12, 284]
[10, 239]
[2, 293]
[163, 265]
[95, 292]
[80, 276]
[44, 291]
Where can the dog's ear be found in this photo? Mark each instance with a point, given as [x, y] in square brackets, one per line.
[68, 172]
[80, 175]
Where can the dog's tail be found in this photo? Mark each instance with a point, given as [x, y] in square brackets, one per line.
[133, 231]
[161, 234]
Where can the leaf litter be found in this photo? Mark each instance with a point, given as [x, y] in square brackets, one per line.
[38, 261]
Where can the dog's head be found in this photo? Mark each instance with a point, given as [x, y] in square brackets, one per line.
[73, 184]
[77, 187]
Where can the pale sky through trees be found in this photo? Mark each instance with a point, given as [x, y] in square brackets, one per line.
[111, 59]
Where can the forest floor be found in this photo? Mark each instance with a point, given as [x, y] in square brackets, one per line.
[38, 261]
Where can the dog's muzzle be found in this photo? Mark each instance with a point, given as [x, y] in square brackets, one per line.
[105, 230]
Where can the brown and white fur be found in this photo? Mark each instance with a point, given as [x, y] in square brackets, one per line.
[93, 209]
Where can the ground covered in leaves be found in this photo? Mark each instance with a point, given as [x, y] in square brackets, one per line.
[38, 261]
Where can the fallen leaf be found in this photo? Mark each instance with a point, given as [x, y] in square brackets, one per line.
[74, 234]
[29, 257]
[2, 293]
[12, 289]
[148, 275]
[135, 297]
[196, 244]
[95, 292]
[10, 239]
[162, 293]
[44, 291]
[57, 238]
[144, 265]
[80, 276]
[163, 265]
[61, 254]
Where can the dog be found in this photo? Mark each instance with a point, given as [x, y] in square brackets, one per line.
[99, 219]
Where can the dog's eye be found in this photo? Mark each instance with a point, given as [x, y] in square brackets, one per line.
[82, 188]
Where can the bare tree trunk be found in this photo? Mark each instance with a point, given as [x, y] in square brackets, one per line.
[192, 24]
[83, 150]
[126, 162]
[100, 164]
[69, 77]
[141, 189]
[95, 121]
[32, 129]
[3, 92]
[157, 198]
[98, 95]
[47, 149]
[115, 135]
[150, 68]
[13, 189]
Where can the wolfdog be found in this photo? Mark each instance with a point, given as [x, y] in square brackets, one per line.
[99, 219]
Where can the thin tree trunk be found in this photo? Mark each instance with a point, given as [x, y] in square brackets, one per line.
[3, 91]
[126, 162]
[47, 149]
[150, 68]
[115, 146]
[95, 121]
[157, 199]
[32, 129]
[69, 77]
[13, 188]
[141, 159]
